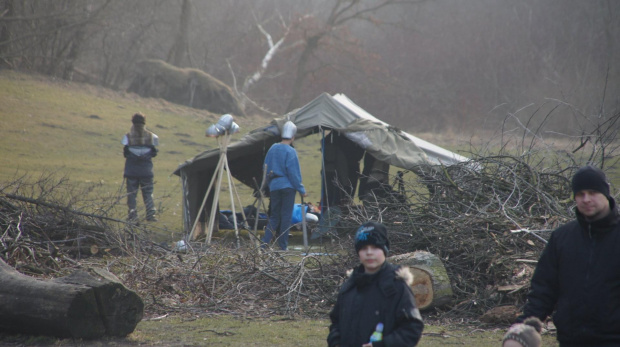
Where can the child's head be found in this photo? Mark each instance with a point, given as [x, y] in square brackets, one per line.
[372, 245]
[526, 334]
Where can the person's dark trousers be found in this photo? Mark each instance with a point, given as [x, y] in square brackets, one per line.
[146, 185]
[282, 202]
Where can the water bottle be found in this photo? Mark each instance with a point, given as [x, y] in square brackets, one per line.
[378, 334]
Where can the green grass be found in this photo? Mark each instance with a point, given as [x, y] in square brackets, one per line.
[51, 127]
[228, 331]
[72, 130]
[225, 330]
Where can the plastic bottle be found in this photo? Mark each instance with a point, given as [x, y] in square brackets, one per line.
[378, 334]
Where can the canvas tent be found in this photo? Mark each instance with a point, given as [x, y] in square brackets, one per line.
[337, 114]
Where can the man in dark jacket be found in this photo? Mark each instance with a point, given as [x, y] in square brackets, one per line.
[376, 292]
[578, 273]
[140, 147]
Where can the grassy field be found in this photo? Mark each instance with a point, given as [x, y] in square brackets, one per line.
[71, 130]
[277, 331]
[51, 127]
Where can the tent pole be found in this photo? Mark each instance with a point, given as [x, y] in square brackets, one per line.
[324, 196]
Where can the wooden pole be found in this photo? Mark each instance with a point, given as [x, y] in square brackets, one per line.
[192, 231]
[223, 143]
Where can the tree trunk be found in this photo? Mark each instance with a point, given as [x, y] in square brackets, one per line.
[179, 53]
[431, 284]
[81, 305]
[300, 77]
[5, 35]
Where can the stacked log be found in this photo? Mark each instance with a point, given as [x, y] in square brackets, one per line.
[81, 305]
[431, 284]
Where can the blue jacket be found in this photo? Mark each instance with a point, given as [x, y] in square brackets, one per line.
[578, 276]
[282, 163]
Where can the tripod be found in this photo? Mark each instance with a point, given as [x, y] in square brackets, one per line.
[216, 184]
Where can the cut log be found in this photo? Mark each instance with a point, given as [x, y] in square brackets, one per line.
[501, 315]
[431, 284]
[81, 305]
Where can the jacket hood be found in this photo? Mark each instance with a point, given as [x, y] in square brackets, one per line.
[402, 273]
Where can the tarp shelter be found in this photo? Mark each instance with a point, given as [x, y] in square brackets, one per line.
[337, 114]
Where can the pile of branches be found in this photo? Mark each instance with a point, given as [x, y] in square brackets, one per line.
[488, 219]
[50, 229]
[245, 282]
[44, 232]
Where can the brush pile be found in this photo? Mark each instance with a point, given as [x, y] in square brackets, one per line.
[487, 219]
[464, 214]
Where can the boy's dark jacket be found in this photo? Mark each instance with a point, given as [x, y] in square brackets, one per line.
[365, 300]
[578, 275]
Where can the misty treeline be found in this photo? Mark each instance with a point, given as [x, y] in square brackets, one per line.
[422, 65]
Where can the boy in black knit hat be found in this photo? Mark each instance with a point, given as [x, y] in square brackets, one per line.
[578, 273]
[376, 297]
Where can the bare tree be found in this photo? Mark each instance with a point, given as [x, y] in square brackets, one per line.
[179, 54]
[342, 12]
[47, 36]
[7, 10]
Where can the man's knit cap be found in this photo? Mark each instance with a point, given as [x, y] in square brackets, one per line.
[590, 178]
[526, 333]
[372, 233]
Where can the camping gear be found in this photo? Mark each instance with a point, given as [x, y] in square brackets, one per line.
[336, 113]
[225, 122]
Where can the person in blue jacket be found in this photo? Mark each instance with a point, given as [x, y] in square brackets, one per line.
[139, 149]
[578, 273]
[284, 176]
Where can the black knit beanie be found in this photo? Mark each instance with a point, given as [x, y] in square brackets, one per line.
[591, 178]
[372, 233]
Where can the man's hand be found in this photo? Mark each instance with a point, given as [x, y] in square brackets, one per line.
[154, 151]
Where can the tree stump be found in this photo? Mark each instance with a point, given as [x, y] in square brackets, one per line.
[80, 305]
[431, 284]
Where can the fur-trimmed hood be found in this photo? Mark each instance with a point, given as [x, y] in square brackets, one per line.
[404, 273]
[401, 272]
